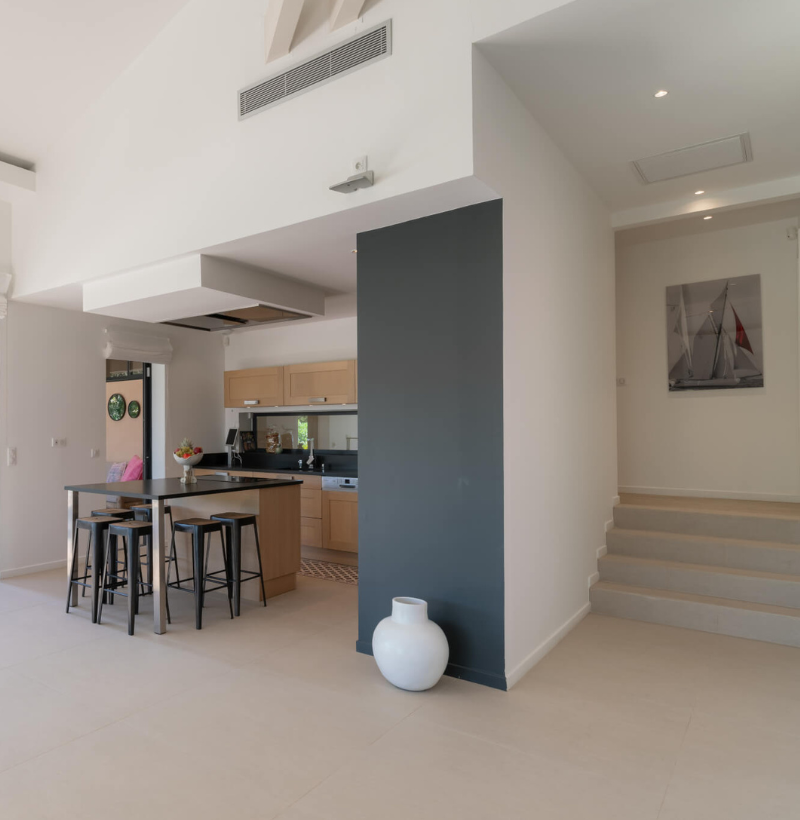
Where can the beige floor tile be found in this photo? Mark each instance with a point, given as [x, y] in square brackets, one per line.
[122, 773]
[421, 770]
[730, 769]
[285, 734]
[35, 719]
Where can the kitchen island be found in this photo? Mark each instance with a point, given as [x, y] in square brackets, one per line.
[276, 502]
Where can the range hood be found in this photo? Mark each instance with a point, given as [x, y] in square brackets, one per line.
[243, 317]
[203, 293]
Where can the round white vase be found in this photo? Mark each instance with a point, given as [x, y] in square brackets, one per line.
[410, 650]
[187, 464]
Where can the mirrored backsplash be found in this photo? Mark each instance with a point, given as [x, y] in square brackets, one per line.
[331, 432]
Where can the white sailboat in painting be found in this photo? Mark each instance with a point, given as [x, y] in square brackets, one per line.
[720, 354]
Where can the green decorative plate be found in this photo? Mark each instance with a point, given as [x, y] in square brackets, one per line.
[134, 408]
[116, 407]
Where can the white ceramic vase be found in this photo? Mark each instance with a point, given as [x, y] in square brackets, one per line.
[410, 650]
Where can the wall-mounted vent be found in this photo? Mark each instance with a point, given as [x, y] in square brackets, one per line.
[694, 159]
[357, 52]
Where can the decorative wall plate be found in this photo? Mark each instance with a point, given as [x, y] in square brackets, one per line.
[134, 408]
[116, 407]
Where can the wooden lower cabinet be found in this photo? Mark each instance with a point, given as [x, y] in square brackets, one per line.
[340, 521]
[311, 532]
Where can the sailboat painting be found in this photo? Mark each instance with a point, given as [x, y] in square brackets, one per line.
[714, 334]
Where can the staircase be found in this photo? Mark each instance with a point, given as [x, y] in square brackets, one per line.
[713, 565]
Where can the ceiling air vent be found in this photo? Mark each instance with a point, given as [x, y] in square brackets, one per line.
[367, 47]
[694, 159]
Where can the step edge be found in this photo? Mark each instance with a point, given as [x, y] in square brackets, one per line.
[613, 558]
[717, 513]
[684, 536]
[730, 603]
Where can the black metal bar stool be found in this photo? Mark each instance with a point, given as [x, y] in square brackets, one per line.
[234, 523]
[130, 532]
[144, 512]
[112, 557]
[200, 529]
[97, 526]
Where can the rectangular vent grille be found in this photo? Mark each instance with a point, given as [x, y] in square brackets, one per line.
[372, 45]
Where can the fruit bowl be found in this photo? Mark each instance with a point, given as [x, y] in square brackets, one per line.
[187, 455]
[187, 464]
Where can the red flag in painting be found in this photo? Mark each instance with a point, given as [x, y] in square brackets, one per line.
[741, 333]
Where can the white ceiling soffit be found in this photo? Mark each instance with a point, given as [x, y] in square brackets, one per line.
[196, 285]
[694, 159]
[588, 72]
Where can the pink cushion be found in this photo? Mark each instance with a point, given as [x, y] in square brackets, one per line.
[134, 471]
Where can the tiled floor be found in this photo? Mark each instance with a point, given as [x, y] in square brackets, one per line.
[276, 716]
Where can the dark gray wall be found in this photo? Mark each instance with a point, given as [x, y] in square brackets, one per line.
[430, 375]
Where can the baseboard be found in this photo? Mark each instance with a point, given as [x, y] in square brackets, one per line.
[518, 672]
[688, 493]
[593, 579]
[615, 499]
[609, 524]
[601, 551]
[454, 670]
[29, 570]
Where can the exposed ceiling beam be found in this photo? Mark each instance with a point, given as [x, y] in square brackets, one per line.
[344, 12]
[280, 23]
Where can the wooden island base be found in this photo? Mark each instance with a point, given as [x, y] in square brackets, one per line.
[278, 514]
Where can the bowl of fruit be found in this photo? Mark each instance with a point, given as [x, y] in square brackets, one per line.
[187, 455]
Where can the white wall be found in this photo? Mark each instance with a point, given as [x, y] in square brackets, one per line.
[53, 385]
[161, 165]
[730, 443]
[558, 371]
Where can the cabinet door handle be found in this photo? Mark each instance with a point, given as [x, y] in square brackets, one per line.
[317, 399]
[251, 401]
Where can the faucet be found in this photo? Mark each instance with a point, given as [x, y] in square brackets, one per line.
[310, 461]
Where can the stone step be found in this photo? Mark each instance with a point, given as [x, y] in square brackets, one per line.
[734, 553]
[688, 521]
[760, 622]
[698, 579]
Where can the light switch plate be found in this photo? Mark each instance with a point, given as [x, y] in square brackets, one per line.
[11, 456]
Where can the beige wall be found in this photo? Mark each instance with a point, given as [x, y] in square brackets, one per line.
[125, 438]
[728, 443]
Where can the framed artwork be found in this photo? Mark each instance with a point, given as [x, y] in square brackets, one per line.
[134, 408]
[116, 407]
[714, 335]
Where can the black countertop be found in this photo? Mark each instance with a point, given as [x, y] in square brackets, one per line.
[326, 474]
[163, 488]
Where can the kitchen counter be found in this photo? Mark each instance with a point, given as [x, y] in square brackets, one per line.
[282, 471]
[275, 502]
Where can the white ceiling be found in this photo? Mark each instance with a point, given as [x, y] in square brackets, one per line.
[58, 56]
[588, 72]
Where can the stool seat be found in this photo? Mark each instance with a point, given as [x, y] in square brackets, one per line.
[114, 512]
[102, 521]
[144, 527]
[234, 516]
[167, 507]
[202, 523]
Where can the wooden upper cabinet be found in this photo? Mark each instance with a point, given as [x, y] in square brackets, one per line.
[255, 387]
[320, 383]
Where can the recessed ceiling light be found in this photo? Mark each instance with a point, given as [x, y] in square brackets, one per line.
[697, 193]
[661, 93]
[708, 217]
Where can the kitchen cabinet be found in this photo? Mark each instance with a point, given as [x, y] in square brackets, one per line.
[320, 383]
[340, 520]
[255, 387]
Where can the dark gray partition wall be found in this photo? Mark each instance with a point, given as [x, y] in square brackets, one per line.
[430, 376]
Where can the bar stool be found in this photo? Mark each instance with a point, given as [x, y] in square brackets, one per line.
[123, 514]
[144, 512]
[199, 529]
[234, 523]
[97, 525]
[130, 532]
